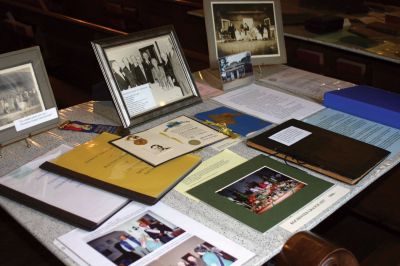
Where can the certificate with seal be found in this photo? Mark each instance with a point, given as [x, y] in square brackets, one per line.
[169, 140]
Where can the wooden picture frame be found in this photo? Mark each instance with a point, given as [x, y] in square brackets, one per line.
[25, 93]
[235, 26]
[147, 74]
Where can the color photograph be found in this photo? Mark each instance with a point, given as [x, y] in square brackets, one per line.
[261, 190]
[19, 94]
[194, 252]
[235, 67]
[129, 242]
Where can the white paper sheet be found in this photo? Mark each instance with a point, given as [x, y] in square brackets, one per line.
[169, 140]
[209, 169]
[290, 135]
[85, 201]
[103, 246]
[225, 144]
[268, 104]
[305, 83]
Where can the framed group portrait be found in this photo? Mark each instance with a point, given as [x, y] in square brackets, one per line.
[27, 104]
[146, 73]
[235, 26]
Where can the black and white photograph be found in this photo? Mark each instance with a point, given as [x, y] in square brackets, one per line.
[153, 62]
[134, 239]
[19, 94]
[234, 67]
[146, 73]
[261, 190]
[25, 95]
[239, 26]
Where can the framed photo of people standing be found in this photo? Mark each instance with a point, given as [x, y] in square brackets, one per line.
[235, 26]
[146, 73]
[27, 104]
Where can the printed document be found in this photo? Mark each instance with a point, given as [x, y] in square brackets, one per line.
[268, 104]
[209, 169]
[376, 134]
[169, 140]
[305, 83]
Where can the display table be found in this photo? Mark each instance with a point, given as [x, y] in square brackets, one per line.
[46, 228]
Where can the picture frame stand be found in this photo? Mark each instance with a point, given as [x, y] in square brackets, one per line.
[107, 109]
[28, 144]
[27, 141]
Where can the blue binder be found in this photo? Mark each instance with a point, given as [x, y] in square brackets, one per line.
[366, 102]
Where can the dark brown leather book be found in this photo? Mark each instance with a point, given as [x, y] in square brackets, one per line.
[321, 150]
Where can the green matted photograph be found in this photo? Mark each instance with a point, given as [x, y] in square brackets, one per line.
[261, 192]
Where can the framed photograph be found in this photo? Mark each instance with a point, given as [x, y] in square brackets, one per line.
[236, 70]
[27, 104]
[236, 26]
[147, 74]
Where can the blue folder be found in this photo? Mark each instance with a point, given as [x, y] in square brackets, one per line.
[366, 102]
[238, 122]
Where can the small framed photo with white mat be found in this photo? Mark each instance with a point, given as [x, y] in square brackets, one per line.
[236, 70]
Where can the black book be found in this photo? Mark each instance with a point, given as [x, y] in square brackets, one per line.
[321, 150]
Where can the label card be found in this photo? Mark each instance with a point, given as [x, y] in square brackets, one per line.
[312, 210]
[290, 135]
[35, 119]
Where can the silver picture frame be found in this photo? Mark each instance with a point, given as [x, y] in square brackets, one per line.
[235, 26]
[147, 74]
[25, 90]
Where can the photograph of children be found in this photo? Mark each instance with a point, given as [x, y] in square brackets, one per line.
[194, 252]
[245, 26]
[234, 67]
[135, 239]
[261, 190]
[19, 94]
[155, 64]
